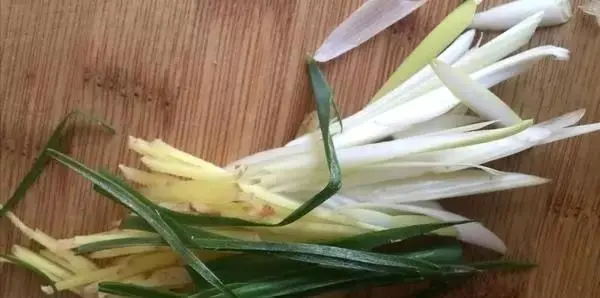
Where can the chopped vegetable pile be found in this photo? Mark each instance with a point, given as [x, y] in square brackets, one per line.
[317, 214]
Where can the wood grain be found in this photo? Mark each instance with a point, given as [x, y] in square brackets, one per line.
[225, 78]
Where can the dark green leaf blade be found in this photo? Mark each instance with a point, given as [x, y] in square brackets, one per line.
[372, 240]
[312, 253]
[442, 254]
[312, 282]
[56, 141]
[133, 291]
[196, 279]
[118, 243]
[323, 96]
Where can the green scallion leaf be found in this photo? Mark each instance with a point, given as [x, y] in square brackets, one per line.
[57, 142]
[434, 43]
[133, 291]
[372, 240]
[322, 255]
[323, 98]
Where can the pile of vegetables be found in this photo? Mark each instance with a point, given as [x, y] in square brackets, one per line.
[318, 214]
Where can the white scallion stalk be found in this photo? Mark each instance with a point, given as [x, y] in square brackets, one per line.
[428, 204]
[441, 186]
[486, 152]
[563, 121]
[517, 64]
[374, 174]
[569, 132]
[501, 46]
[504, 16]
[476, 96]
[434, 103]
[546, 132]
[472, 233]
[488, 76]
[377, 152]
[444, 123]
[456, 50]
[403, 117]
[384, 221]
[368, 20]
[476, 59]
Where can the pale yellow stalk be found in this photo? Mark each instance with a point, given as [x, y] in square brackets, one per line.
[176, 168]
[70, 243]
[433, 44]
[134, 266]
[52, 257]
[79, 263]
[123, 251]
[186, 157]
[193, 191]
[301, 231]
[39, 262]
[146, 178]
[143, 147]
[437, 40]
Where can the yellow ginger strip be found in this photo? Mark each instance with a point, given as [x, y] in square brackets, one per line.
[39, 262]
[142, 147]
[170, 278]
[186, 157]
[77, 241]
[160, 150]
[123, 251]
[50, 275]
[52, 257]
[282, 205]
[79, 263]
[193, 197]
[53, 271]
[133, 267]
[84, 279]
[146, 178]
[301, 231]
[176, 168]
[237, 233]
[319, 214]
[193, 191]
[122, 260]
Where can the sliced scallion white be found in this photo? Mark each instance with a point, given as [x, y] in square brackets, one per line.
[456, 50]
[368, 20]
[476, 96]
[441, 186]
[504, 16]
[473, 233]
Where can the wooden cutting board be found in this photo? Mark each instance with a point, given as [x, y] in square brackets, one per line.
[225, 78]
